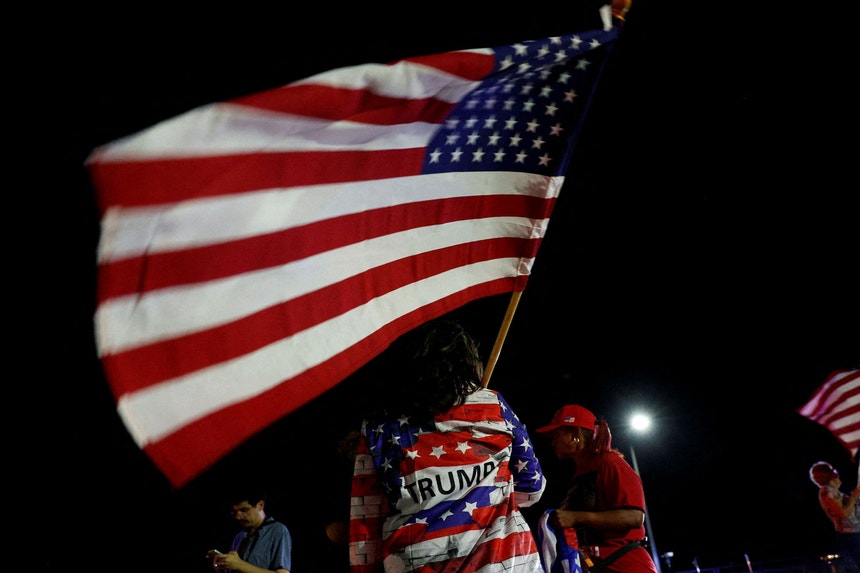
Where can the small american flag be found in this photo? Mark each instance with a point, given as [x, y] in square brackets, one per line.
[256, 252]
[836, 406]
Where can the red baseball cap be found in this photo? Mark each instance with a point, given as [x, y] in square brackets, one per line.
[570, 415]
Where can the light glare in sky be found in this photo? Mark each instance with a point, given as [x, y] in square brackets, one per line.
[640, 422]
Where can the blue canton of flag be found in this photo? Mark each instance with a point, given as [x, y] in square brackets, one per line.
[522, 116]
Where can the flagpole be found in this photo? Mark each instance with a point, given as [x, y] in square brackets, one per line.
[500, 338]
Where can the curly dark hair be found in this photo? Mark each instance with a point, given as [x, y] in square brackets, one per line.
[442, 367]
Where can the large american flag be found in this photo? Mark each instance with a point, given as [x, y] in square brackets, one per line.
[256, 252]
[836, 406]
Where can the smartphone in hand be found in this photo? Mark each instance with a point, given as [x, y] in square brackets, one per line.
[212, 553]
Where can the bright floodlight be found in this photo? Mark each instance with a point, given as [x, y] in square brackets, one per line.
[640, 422]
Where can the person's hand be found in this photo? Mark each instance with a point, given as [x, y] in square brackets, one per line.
[562, 518]
[620, 8]
[213, 554]
[227, 561]
[338, 532]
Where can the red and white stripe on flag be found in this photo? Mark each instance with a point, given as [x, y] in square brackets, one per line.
[256, 252]
[836, 406]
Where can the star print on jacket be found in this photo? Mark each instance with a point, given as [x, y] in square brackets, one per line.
[446, 493]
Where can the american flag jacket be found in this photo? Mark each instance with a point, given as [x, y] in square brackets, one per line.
[445, 495]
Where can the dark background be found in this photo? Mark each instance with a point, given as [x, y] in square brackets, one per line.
[700, 263]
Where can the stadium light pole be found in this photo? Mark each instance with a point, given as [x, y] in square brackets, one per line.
[641, 423]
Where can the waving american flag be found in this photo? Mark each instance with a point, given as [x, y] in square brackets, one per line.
[836, 406]
[256, 252]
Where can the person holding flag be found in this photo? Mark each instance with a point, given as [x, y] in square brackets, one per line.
[443, 468]
[842, 509]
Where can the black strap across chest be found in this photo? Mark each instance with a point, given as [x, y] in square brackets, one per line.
[601, 564]
[247, 544]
